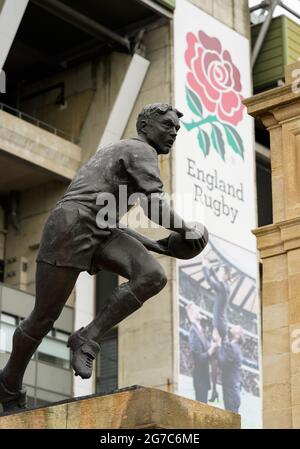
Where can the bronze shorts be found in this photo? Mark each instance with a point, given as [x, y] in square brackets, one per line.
[71, 237]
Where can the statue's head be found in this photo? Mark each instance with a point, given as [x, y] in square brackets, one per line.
[158, 124]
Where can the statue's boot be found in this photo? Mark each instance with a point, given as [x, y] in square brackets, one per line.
[83, 342]
[11, 400]
[84, 352]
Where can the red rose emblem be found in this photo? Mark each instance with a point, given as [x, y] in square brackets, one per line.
[213, 77]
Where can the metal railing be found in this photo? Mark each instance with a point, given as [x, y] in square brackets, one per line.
[37, 122]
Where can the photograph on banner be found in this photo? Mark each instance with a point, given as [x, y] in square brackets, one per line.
[219, 332]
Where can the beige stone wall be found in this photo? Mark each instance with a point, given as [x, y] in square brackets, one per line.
[233, 13]
[279, 250]
[276, 343]
[279, 246]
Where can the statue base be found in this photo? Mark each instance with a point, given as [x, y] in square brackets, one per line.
[130, 408]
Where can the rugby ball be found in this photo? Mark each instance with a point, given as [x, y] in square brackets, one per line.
[190, 245]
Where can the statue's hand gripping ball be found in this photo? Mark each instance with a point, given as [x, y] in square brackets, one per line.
[191, 244]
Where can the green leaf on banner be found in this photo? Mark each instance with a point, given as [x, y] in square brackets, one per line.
[204, 142]
[189, 126]
[234, 140]
[218, 141]
[193, 102]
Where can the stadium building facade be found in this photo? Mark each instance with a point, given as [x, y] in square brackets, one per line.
[77, 73]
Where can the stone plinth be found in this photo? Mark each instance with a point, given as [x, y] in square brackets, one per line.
[279, 247]
[132, 408]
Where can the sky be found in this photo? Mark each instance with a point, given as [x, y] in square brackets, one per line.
[293, 4]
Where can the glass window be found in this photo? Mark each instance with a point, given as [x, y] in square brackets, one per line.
[60, 335]
[107, 361]
[6, 335]
[106, 282]
[52, 360]
[264, 192]
[107, 364]
[9, 319]
[54, 351]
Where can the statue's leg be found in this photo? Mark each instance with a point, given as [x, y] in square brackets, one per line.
[129, 258]
[53, 287]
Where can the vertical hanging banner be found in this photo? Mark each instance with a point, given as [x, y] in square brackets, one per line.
[215, 185]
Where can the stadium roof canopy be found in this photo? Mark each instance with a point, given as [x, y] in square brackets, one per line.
[56, 34]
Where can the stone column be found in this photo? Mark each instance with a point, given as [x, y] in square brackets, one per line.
[279, 248]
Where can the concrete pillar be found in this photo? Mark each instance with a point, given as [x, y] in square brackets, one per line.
[84, 314]
[125, 100]
[279, 247]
